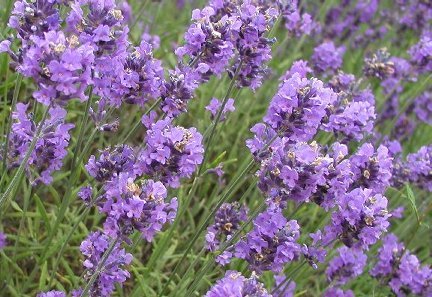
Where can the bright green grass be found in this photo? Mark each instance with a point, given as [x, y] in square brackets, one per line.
[45, 225]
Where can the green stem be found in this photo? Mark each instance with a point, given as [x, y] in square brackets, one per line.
[66, 241]
[9, 123]
[17, 177]
[74, 173]
[219, 115]
[98, 270]
[138, 123]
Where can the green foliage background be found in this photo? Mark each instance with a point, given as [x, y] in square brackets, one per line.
[45, 225]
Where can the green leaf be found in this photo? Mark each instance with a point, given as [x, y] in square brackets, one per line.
[43, 276]
[411, 197]
[16, 206]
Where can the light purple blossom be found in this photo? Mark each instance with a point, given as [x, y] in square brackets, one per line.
[171, 152]
[215, 105]
[346, 266]
[293, 172]
[419, 168]
[112, 272]
[327, 57]
[270, 245]
[130, 206]
[50, 149]
[228, 220]
[360, 219]
[234, 284]
[401, 270]
[52, 294]
[299, 107]
[421, 54]
[2, 240]
[371, 168]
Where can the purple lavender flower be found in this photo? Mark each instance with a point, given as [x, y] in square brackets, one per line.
[50, 149]
[353, 120]
[393, 86]
[399, 171]
[270, 244]
[101, 24]
[112, 272]
[301, 67]
[208, 42]
[401, 270]
[327, 57]
[379, 64]
[336, 292]
[421, 54]
[228, 220]
[388, 256]
[423, 107]
[315, 252]
[346, 266]
[293, 172]
[86, 194]
[253, 47]
[171, 152]
[298, 24]
[299, 107]
[286, 287]
[52, 294]
[2, 240]
[111, 163]
[265, 141]
[129, 206]
[353, 113]
[415, 14]
[61, 68]
[372, 169]
[137, 79]
[419, 168]
[215, 105]
[360, 219]
[34, 18]
[236, 285]
[179, 89]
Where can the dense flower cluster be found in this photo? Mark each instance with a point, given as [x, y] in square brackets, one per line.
[293, 172]
[419, 166]
[235, 284]
[421, 54]
[296, 22]
[228, 220]
[348, 264]
[51, 144]
[423, 107]
[171, 152]
[360, 219]
[299, 107]
[270, 245]
[401, 270]
[144, 208]
[52, 294]
[327, 57]
[331, 141]
[110, 272]
[352, 115]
